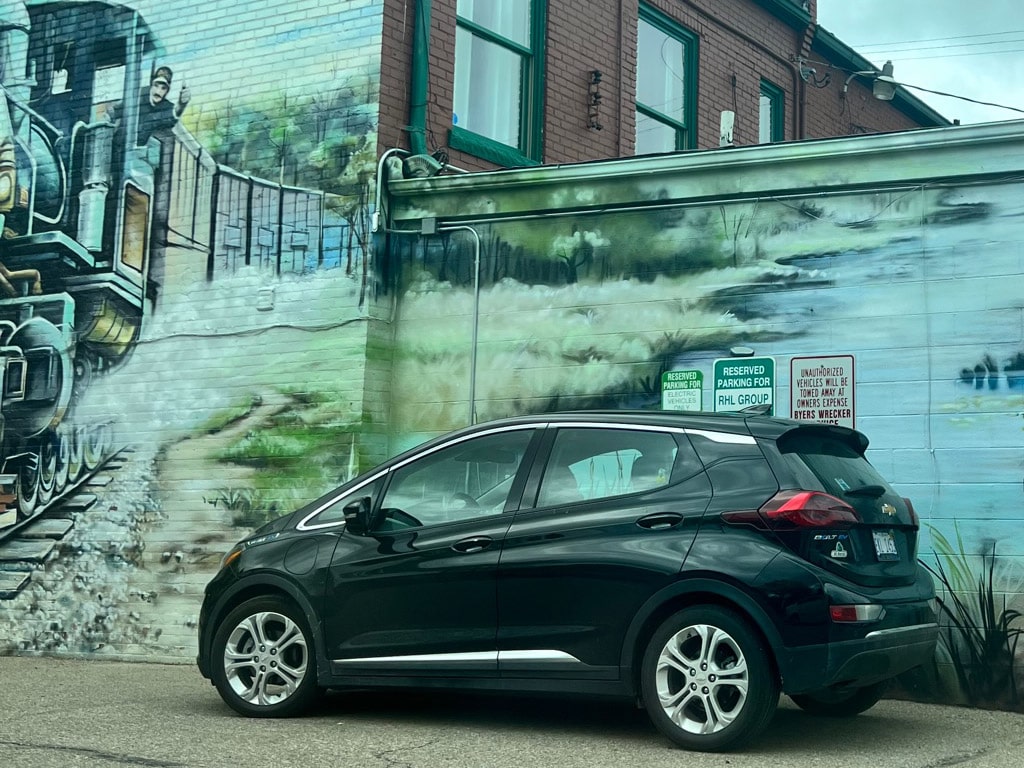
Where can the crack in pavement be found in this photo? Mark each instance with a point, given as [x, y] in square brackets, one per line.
[95, 753]
[965, 757]
[384, 754]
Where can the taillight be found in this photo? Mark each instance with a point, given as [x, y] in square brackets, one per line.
[853, 614]
[807, 509]
[914, 520]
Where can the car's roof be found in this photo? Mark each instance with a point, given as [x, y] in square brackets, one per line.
[738, 423]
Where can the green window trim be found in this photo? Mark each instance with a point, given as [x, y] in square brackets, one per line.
[487, 149]
[777, 98]
[531, 113]
[686, 130]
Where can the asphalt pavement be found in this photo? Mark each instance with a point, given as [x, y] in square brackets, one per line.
[87, 713]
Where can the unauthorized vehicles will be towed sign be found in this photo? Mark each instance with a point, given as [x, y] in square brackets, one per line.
[822, 389]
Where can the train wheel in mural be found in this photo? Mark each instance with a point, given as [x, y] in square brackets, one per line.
[63, 458]
[845, 704]
[28, 486]
[76, 452]
[263, 659]
[706, 680]
[96, 442]
[47, 467]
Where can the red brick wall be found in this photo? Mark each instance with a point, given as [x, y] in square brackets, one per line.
[395, 66]
[739, 44]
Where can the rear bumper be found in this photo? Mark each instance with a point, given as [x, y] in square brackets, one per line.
[880, 655]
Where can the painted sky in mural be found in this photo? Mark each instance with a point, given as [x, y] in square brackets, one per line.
[278, 46]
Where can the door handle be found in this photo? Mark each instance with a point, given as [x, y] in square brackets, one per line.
[472, 544]
[660, 521]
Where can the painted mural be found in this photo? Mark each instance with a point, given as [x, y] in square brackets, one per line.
[918, 286]
[186, 288]
[193, 306]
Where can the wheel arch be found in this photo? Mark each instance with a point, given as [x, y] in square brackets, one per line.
[684, 594]
[264, 585]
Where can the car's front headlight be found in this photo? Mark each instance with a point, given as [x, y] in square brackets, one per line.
[230, 557]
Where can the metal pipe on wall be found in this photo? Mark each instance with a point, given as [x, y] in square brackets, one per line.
[476, 313]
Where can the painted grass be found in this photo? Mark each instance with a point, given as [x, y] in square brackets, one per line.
[539, 344]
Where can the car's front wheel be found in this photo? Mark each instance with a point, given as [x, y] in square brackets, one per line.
[840, 703]
[707, 680]
[263, 659]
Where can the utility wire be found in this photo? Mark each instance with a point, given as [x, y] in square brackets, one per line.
[958, 55]
[915, 48]
[963, 98]
[942, 39]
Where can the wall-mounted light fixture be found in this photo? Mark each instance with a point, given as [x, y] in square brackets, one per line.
[883, 85]
[422, 166]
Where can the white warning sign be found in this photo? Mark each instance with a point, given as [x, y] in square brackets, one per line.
[822, 389]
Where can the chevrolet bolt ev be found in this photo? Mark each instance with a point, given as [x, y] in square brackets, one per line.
[698, 563]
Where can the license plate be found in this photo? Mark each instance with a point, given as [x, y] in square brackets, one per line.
[885, 545]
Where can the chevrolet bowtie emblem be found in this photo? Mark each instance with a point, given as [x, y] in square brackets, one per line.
[888, 509]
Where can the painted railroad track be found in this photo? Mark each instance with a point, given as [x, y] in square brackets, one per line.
[26, 546]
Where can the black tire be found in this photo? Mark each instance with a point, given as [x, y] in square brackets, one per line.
[707, 680]
[263, 659]
[840, 704]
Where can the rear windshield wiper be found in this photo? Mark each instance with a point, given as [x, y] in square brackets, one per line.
[872, 491]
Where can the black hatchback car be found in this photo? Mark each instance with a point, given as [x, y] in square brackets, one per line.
[700, 563]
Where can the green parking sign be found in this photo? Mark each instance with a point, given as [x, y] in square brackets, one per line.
[682, 391]
[744, 382]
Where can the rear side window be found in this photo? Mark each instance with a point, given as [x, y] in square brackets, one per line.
[592, 463]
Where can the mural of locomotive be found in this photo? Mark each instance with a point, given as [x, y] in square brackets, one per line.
[76, 205]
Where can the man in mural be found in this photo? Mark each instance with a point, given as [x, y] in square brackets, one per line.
[156, 113]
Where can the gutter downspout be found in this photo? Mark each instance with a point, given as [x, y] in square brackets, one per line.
[800, 86]
[417, 127]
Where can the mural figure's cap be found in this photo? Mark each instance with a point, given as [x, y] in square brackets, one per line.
[163, 75]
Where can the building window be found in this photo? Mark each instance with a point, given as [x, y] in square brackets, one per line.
[666, 85]
[498, 112]
[771, 125]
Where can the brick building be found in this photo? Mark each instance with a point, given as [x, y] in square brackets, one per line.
[765, 61]
[242, 305]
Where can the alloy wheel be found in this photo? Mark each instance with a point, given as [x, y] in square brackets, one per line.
[702, 679]
[266, 658]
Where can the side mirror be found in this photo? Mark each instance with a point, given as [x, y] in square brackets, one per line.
[357, 516]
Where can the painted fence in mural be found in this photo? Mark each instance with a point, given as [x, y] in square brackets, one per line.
[189, 300]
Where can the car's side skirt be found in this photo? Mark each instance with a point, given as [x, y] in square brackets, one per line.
[512, 664]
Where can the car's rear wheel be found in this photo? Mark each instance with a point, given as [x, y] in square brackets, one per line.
[263, 659]
[840, 703]
[707, 680]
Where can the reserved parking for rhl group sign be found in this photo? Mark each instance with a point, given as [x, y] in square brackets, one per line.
[742, 382]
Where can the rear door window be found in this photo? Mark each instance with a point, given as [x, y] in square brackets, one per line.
[590, 463]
